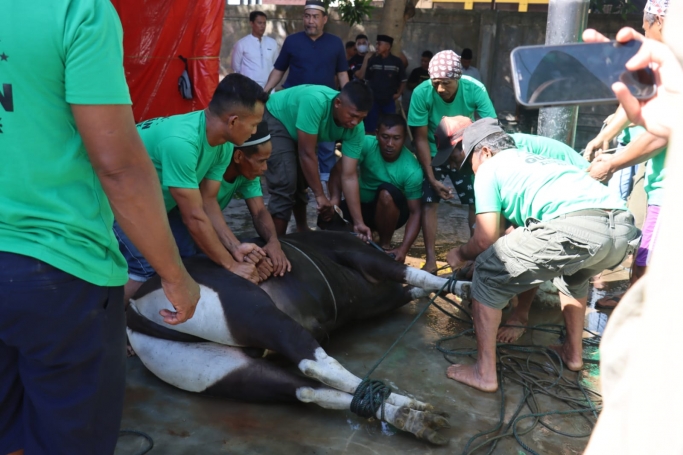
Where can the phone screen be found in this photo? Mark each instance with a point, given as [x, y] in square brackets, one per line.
[574, 74]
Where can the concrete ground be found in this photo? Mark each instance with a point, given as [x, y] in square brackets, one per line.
[186, 423]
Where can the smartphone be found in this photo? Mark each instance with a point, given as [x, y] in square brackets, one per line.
[577, 74]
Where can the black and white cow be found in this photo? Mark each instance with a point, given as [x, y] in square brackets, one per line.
[335, 279]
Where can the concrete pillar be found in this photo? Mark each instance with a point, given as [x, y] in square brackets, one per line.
[566, 22]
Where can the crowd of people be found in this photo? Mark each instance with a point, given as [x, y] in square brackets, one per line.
[95, 205]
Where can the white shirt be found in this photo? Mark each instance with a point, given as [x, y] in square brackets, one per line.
[254, 58]
[471, 72]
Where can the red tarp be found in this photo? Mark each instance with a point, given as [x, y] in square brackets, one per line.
[155, 33]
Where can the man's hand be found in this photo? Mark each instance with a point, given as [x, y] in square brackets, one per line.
[442, 190]
[600, 168]
[364, 232]
[246, 270]
[455, 260]
[183, 295]
[396, 96]
[661, 113]
[248, 252]
[399, 254]
[594, 148]
[280, 263]
[264, 269]
[325, 207]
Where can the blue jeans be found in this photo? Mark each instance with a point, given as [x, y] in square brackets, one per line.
[62, 360]
[326, 159]
[373, 116]
[621, 182]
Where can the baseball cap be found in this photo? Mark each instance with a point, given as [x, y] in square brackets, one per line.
[447, 135]
[478, 131]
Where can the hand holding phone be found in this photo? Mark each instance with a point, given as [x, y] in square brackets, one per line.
[577, 74]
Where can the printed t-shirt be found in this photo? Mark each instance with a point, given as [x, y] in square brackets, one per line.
[405, 173]
[522, 186]
[427, 108]
[309, 108]
[55, 53]
[549, 148]
[181, 153]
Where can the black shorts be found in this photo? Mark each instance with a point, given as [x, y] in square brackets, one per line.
[462, 181]
[368, 209]
[62, 360]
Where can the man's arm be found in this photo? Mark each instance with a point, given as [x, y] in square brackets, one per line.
[241, 252]
[412, 230]
[618, 122]
[485, 234]
[425, 158]
[130, 182]
[343, 77]
[199, 225]
[265, 228]
[644, 147]
[349, 179]
[401, 87]
[309, 166]
[360, 74]
[274, 78]
[236, 61]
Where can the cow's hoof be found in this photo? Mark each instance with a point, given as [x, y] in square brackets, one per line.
[434, 437]
[424, 425]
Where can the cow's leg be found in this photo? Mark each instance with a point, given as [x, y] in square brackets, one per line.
[429, 282]
[423, 424]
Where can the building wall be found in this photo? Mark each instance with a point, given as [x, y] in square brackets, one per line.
[490, 34]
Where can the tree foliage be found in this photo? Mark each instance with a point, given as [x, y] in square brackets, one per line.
[352, 11]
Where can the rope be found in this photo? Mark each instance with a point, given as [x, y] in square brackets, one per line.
[149, 439]
[329, 288]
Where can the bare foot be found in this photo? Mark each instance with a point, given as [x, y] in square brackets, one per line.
[573, 362]
[511, 334]
[469, 375]
[430, 267]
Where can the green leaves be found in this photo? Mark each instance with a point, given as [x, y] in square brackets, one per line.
[353, 11]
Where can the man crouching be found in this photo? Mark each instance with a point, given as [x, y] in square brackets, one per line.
[571, 228]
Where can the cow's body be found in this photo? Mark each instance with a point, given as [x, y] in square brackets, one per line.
[335, 278]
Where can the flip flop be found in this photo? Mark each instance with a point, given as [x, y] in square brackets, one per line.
[608, 307]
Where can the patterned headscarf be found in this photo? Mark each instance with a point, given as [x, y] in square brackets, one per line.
[445, 65]
[657, 7]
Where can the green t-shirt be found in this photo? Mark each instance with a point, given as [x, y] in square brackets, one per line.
[248, 189]
[549, 148]
[427, 107]
[54, 53]
[309, 108]
[522, 185]
[181, 153]
[654, 178]
[630, 134]
[405, 173]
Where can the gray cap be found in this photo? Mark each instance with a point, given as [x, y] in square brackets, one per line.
[478, 131]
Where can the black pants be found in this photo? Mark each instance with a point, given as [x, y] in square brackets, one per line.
[62, 360]
[368, 209]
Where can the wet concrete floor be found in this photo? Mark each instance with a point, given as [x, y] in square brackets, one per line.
[185, 423]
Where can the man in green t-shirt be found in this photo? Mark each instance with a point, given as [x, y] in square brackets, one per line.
[298, 118]
[382, 186]
[571, 227]
[71, 159]
[446, 94]
[190, 153]
[243, 177]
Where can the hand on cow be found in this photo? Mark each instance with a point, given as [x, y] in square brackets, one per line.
[246, 270]
[600, 168]
[183, 295]
[455, 260]
[281, 264]
[364, 232]
[325, 207]
[399, 254]
[264, 269]
[661, 113]
[248, 252]
[442, 190]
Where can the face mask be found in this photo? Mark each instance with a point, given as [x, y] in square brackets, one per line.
[362, 48]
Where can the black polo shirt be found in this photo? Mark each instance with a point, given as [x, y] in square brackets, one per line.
[385, 76]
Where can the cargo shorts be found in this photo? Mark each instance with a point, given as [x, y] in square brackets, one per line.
[569, 250]
[286, 182]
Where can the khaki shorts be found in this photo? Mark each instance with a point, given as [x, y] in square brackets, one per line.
[569, 250]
